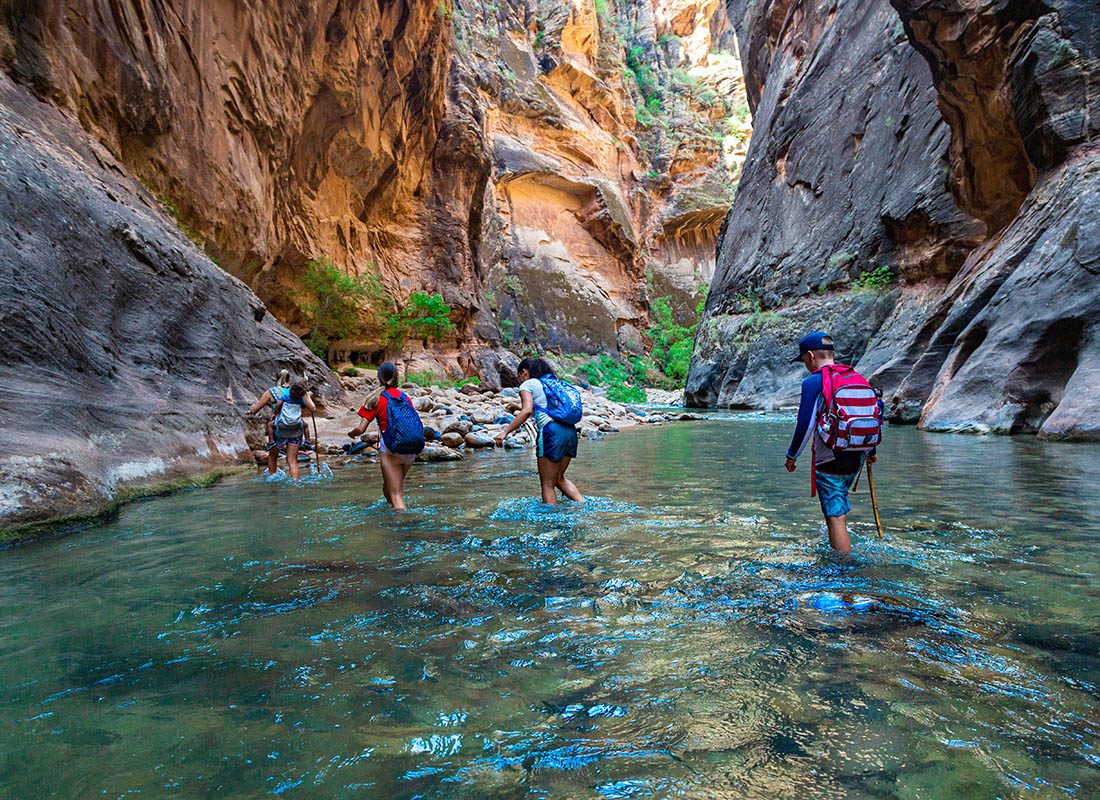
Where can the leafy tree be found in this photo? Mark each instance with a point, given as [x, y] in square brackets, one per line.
[341, 306]
[426, 317]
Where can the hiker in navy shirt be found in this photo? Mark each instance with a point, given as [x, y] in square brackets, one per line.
[834, 472]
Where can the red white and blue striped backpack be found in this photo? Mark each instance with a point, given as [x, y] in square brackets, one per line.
[850, 417]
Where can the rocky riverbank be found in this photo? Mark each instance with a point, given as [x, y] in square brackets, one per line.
[461, 419]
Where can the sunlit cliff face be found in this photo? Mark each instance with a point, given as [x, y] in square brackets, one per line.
[617, 136]
[531, 162]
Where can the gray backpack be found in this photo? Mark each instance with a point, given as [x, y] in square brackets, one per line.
[289, 424]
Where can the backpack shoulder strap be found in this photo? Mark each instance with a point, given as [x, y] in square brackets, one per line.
[827, 385]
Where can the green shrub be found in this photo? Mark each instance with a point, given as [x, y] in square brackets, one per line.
[605, 371]
[341, 306]
[426, 377]
[350, 372]
[425, 317]
[647, 85]
[875, 280]
[672, 343]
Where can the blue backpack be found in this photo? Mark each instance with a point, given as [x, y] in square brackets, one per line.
[404, 432]
[563, 400]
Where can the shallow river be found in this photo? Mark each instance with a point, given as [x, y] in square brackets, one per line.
[684, 634]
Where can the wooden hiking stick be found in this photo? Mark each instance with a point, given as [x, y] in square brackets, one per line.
[874, 500]
[317, 443]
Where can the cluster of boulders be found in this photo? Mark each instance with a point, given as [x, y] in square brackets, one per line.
[470, 417]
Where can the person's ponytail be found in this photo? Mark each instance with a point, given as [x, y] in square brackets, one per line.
[387, 379]
[387, 375]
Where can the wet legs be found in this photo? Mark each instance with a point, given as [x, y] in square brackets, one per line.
[838, 533]
[292, 460]
[394, 471]
[552, 477]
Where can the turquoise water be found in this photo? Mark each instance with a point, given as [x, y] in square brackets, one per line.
[685, 634]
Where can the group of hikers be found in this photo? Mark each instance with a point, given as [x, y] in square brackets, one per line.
[840, 417]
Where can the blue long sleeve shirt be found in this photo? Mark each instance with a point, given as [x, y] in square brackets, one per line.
[807, 412]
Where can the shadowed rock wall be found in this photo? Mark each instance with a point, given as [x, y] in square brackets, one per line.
[128, 356]
[949, 145]
[278, 132]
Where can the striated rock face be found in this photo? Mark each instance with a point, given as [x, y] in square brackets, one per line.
[615, 133]
[949, 147]
[279, 134]
[129, 357]
[530, 161]
[1024, 355]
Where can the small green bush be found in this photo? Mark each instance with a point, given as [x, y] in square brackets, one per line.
[875, 280]
[612, 375]
[422, 377]
[672, 343]
[647, 85]
[350, 372]
[425, 317]
[428, 378]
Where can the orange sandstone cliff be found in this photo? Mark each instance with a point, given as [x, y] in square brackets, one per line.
[542, 166]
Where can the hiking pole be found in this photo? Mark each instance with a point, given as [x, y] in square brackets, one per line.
[316, 443]
[874, 500]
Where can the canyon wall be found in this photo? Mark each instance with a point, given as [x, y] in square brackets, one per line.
[545, 167]
[922, 182]
[533, 163]
[615, 132]
[129, 357]
[277, 134]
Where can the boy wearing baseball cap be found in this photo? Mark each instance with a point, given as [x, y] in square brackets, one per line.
[834, 470]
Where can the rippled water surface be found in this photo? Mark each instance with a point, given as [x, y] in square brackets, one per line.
[684, 634]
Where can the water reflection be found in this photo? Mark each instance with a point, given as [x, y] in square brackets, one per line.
[684, 634]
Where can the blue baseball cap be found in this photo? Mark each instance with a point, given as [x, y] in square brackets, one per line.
[813, 341]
